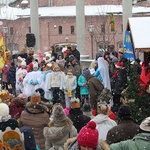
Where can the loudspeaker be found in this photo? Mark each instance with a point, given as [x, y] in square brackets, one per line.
[30, 40]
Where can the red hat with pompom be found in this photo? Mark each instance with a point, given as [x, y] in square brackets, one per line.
[88, 135]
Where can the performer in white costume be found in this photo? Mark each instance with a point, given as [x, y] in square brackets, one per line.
[32, 80]
[20, 75]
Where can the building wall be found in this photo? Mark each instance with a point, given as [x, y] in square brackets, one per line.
[73, 2]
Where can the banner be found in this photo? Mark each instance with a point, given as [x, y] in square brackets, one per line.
[2, 52]
[112, 22]
[128, 47]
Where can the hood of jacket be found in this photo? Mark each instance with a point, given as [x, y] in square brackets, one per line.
[101, 118]
[35, 108]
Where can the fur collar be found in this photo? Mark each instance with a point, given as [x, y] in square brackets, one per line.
[19, 101]
[72, 141]
[36, 108]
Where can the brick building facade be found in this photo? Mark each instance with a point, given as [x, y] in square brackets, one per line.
[50, 32]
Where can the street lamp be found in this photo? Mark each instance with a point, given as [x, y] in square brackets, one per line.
[91, 31]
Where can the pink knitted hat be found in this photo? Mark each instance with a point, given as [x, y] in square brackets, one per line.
[22, 96]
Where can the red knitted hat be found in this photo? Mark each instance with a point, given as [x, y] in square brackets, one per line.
[119, 65]
[88, 135]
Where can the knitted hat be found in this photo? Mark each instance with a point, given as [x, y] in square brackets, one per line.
[29, 140]
[41, 91]
[23, 63]
[119, 65]
[4, 95]
[22, 96]
[86, 72]
[4, 112]
[88, 135]
[124, 111]
[145, 124]
[75, 103]
[58, 113]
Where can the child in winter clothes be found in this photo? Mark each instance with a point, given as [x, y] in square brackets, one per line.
[84, 92]
[69, 86]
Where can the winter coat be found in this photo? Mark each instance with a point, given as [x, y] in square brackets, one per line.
[76, 54]
[16, 107]
[83, 87]
[12, 76]
[35, 117]
[79, 120]
[72, 144]
[5, 73]
[125, 130]
[57, 134]
[103, 125]
[118, 81]
[95, 88]
[139, 142]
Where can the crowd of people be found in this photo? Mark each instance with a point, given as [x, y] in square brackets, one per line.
[50, 102]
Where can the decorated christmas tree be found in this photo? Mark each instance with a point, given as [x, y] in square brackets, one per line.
[138, 98]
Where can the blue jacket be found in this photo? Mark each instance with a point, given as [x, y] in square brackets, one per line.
[12, 75]
[98, 75]
[83, 87]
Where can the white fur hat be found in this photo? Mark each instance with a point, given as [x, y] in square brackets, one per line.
[23, 63]
[4, 111]
[35, 65]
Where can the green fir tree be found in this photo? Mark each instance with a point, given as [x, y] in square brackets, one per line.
[139, 100]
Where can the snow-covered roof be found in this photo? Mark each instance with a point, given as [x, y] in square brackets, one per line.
[140, 30]
[12, 13]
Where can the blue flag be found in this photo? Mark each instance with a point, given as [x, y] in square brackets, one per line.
[128, 47]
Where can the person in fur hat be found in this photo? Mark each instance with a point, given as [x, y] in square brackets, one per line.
[32, 80]
[17, 106]
[59, 130]
[76, 115]
[5, 118]
[35, 116]
[87, 139]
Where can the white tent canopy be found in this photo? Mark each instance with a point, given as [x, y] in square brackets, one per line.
[140, 33]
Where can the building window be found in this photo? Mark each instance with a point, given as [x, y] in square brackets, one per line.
[120, 44]
[11, 30]
[103, 28]
[72, 29]
[60, 29]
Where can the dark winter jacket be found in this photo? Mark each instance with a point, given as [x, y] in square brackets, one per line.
[95, 88]
[76, 54]
[12, 75]
[126, 129]
[79, 120]
[139, 142]
[12, 123]
[118, 81]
